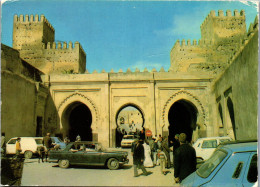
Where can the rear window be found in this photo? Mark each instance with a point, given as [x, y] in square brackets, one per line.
[208, 167]
[209, 144]
[12, 141]
[38, 141]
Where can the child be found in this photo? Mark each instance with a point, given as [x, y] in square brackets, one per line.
[162, 160]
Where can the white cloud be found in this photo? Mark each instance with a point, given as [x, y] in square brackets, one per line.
[254, 3]
[3, 1]
[182, 25]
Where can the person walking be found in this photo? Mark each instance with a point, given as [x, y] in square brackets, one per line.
[185, 160]
[47, 142]
[176, 144]
[147, 155]
[138, 158]
[165, 148]
[18, 148]
[162, 160]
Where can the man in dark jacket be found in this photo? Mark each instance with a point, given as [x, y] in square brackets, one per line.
[138, 158]
[47, 143]
[184, 160]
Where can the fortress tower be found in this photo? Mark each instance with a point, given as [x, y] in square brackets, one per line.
[221, 37]
[34, 39]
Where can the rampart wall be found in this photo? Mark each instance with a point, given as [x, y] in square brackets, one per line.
[22, 96]
[237, 88]
[221, 38]
[34, 38]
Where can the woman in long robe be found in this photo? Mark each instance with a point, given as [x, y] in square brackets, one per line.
[147, 155]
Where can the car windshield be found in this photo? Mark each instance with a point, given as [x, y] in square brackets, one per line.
[100, 148]
[224, 140]
[208, 167]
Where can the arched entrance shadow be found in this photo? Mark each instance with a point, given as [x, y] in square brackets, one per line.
[78, 119]
[231, 115]
[182, 119]
[129, 120]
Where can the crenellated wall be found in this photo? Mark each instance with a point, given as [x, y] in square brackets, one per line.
[221, 36]
[31, 32]
[34, 38]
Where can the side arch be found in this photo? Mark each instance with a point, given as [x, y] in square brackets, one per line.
[201, 118]
[78, 97]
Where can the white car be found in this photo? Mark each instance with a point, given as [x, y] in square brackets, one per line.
[28, 145]
[206, 146]
[128, 140]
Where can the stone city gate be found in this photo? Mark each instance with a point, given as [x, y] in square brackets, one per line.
[91, 108]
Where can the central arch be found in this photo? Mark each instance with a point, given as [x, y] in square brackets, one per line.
[129, 120]
[77, 119]
[182, 118]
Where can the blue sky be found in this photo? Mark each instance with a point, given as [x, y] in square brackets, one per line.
[122, 34]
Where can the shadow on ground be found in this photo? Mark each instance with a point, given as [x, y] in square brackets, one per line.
[11, 171]
[124, 167]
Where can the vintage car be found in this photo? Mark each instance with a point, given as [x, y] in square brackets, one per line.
[88, 153]
[233, 163]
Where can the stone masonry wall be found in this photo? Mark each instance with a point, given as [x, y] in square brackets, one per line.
[20, 95]
[239, 85]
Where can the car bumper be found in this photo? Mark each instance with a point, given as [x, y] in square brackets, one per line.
[125, 162]
[126, 145]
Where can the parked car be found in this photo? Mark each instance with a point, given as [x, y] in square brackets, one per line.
[88, 153]
[128, 140]
[57, 140]
[28, 145]
[206, 146]
[232, 164]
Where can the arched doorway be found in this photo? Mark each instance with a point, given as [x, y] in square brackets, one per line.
[182, 119]
[130, 120]
[231, 115]
[77, 119]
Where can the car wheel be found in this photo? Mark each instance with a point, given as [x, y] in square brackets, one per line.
[64, 163]
[28, 154]
[113, 163]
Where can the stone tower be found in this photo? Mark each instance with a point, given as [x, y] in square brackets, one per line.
[221, 37]
[34, 39]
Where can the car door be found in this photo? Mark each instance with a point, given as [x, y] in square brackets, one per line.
[91, 155]
[251, 172]
[76, 154]
[231, 173]
[10, 146]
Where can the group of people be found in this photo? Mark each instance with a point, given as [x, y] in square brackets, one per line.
[156, 151]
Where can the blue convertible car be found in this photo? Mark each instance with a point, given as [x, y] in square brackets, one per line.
[88, 153]
[232, 164]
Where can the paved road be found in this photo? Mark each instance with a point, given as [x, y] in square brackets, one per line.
[49, 174]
